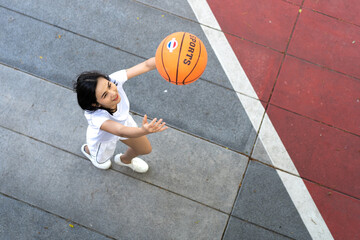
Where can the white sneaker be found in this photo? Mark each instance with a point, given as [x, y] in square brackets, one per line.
[137, 164]
[105, 165]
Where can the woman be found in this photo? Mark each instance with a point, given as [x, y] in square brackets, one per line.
[107, 112]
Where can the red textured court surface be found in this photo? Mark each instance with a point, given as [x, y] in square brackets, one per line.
[302, 58]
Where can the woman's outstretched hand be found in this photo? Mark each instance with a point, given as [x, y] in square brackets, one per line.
[154, 126]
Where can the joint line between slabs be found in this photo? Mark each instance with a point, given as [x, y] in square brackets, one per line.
[72, 32]
[285, 53]
[236, 197]
[193, 135]
[54, 214]
[323, 66]
[303, 178]
[315, 120]
[125, 51]
[333, 17]
[257, 225]
[112, 169]
[36, 76]
[246, 168]
[131, 111]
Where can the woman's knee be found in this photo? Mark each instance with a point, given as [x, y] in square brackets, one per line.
[145, 149]
[140, 146]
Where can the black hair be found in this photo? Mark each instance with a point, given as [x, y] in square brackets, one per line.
[85, 86]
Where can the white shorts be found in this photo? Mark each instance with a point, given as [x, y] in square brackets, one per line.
[130, 122]
[103, 151]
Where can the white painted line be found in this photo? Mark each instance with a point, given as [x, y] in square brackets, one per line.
[280, 158]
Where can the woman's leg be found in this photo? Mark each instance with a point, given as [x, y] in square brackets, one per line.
[87, 149]
[137, 146]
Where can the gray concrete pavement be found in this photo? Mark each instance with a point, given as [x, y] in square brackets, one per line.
[198, 168]
[185, 107]
[19, 220]
[48, 142]
[106, 201]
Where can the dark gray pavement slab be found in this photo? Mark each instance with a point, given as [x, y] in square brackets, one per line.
[108, 202]
[19, 220]
[180, 163]
[238, 229]
[260, 152]
[38, 49]
[213, 113]
[180, 8]
[126, 25]
[264, 200]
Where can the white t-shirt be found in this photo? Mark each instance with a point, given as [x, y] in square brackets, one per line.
[94, 135]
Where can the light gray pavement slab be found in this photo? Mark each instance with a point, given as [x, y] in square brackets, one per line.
[19, 220]
[264, 200]
[193, 168]
[238, 229]
[40, 51]
[179, 162]
[107, 202]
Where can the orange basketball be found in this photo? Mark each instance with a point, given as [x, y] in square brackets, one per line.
[181, 58]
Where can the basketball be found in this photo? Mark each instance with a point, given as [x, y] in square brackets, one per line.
[181, 58]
